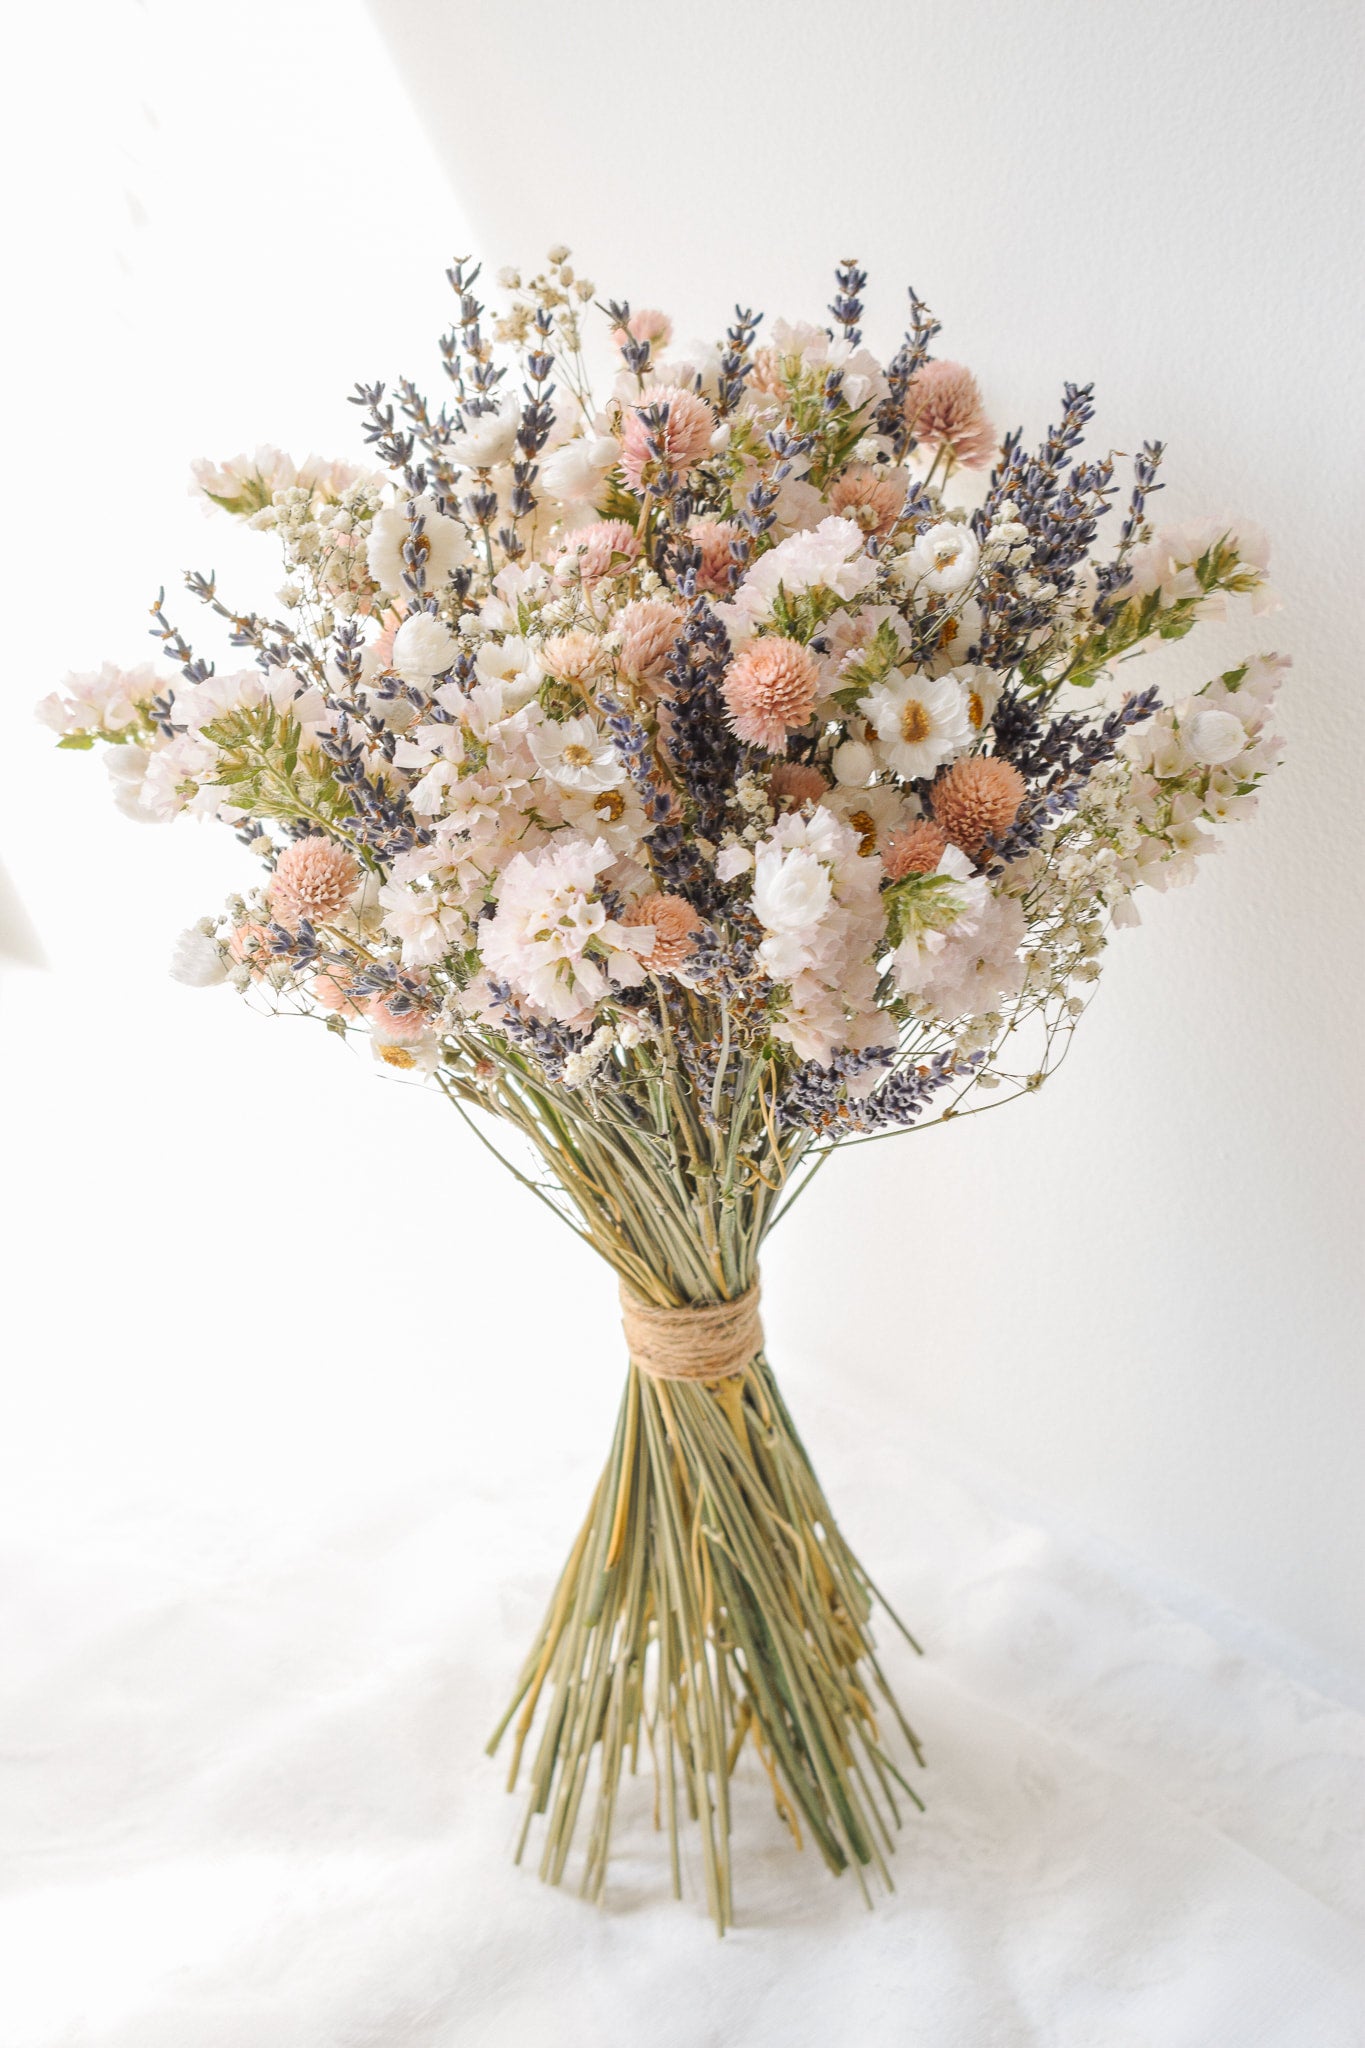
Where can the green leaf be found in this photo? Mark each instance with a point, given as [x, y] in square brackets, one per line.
[77, 742]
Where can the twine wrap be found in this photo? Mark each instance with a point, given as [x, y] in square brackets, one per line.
[708, 1341]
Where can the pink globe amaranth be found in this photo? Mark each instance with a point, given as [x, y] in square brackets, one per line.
[977, 799]
[649, 628]
[770, 690]
[675, 924]
[404, 1027]
[915, 849]
[685, 434]
[605, 548]
[943, 409]
[713, 537]
[314, 878]
[871, 495]
[794, 783]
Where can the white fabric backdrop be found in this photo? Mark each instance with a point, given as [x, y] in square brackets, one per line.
[282, 1484]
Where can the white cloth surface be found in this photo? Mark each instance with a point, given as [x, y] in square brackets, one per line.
[243, 1800]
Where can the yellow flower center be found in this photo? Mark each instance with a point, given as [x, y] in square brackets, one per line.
[865, 825]
[915, 722]
[578, 756]
[976, 710]
[609, 805]
[397, 1056]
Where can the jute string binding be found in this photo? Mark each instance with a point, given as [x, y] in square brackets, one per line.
[708, 1341]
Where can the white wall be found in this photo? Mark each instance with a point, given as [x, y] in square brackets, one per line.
[1137, 1296]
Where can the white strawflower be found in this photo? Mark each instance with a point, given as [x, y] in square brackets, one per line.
[577, 755]
[488, 439]
[792, 891]
[447, 546]
[576, 472]
[944, 559]
[423, 647]
[733, 861]
[1213, 737]
[854, 764]
[920, 720]
[196, 960]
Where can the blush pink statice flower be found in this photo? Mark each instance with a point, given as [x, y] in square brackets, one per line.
[770, 691]
[944, 409]
[686, 432]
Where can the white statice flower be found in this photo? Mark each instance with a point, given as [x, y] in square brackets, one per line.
[197, 960]
[943, 560]
[434, 752]
[734, 860]
[819, 902]
[797, 348]
[448, 547]
[962, 964]
[1166, 561]
[419, 914]
[578, 469]
[178, 777]
[577, 754]
[920, 721]
[106, 700]
[423, 647]
[551, 939]
[488, 438]
[683, 366]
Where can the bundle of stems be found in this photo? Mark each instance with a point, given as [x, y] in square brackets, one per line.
[709, 1601]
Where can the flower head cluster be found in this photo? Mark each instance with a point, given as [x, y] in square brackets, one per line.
[693, 733]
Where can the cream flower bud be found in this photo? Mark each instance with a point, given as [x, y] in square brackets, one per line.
[853, 764]
[196, 961]
[423, 646]
[1213, 737]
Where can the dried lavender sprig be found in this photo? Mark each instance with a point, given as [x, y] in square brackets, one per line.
[1113, 577]
[847, 306]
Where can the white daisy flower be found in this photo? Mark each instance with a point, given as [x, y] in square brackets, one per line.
[577, 755]
[920, 721]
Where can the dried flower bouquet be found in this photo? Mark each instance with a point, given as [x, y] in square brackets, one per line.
[694, 779]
